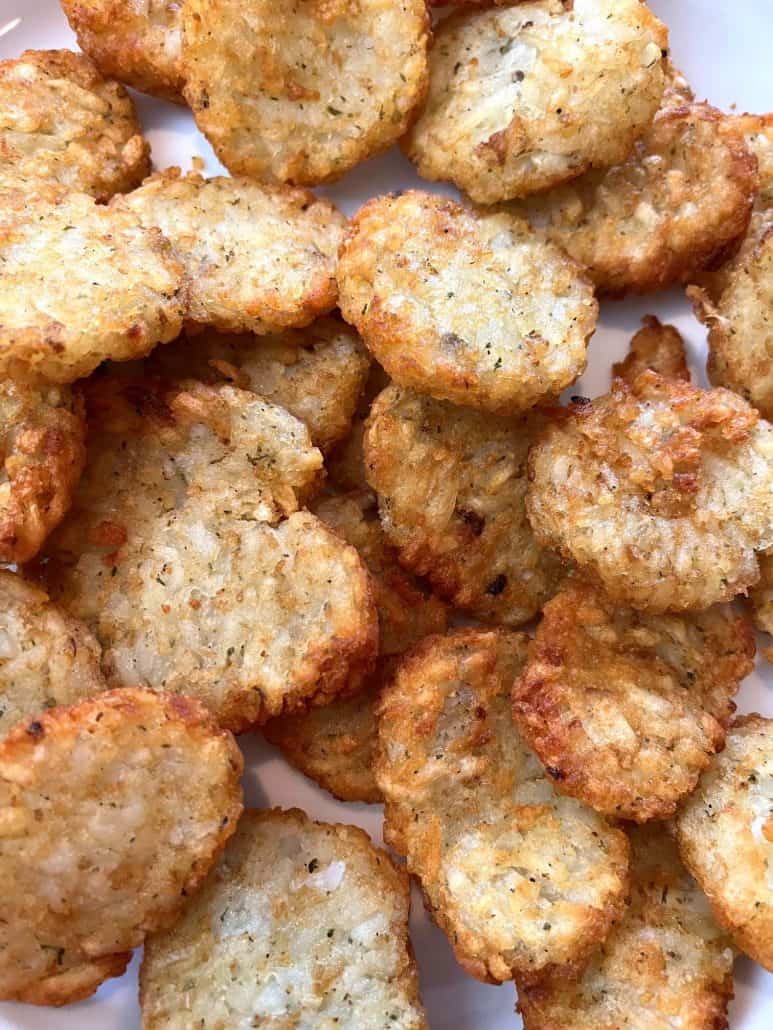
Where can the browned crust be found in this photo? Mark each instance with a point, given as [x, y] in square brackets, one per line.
[581, 634]
[19, 745]
[676, 264]
[117, 41]
[44, 453]
[657, 347]
[135, 150]
[753, 936]
[659, 479]
[409, 341]
[408, 702]
[333, 745]
[74, 984]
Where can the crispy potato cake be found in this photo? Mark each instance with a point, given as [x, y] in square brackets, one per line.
[471, 308]
[195, 569]
[655, 346]
[259, 258]
[60, 121]
[680, 201]
[111, 813]
[736, 302]
[624, 709]
[42, 433]
[46, 657]
[70, 980]
[762, 594]
[725, 836]
[317, 373]
[334, 745]
[302, 92]
[301, 924]
[666, 964]
[137, 43]
[660, 491]
[451, 485]
[523, 97]
[80, 282]
[519, 877]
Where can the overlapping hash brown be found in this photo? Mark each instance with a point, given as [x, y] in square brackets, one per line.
[46, 657]
[61, 122]
[302, 91]
[470, 308]
[137, 43]
[80, 282]
[667, 963]
[451, 484]
[42, 434]
[317, 373]
[725, 835]
[112, 812]
[188, 556]
[527, 95]
[258, 258]
[736, 302]
[679, 202]
[624, 709]
[334, 744]
[520, 878]
[660, 491]
[301, 924]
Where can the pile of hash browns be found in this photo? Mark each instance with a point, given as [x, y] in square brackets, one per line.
[288, 488]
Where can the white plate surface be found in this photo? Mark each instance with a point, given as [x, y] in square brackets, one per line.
[724, 49]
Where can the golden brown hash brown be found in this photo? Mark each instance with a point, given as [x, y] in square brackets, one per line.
[624, 709]
[736, 302]
[658, 490]
[523, 97]
[519, 877]
[680, 201]
[762, 594]
[46, 657]
[72, 980]
[186, 554]
[79, 283]
[60, 121]
[725, 836]
[259, 258]
[302, 924]
[317, 373]
[137, 43]
[302, 91]
[42, 433]
[655, 346]
[334, 744]
[111, 813]
[468, 307]
[666, 964]
[451, 484]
